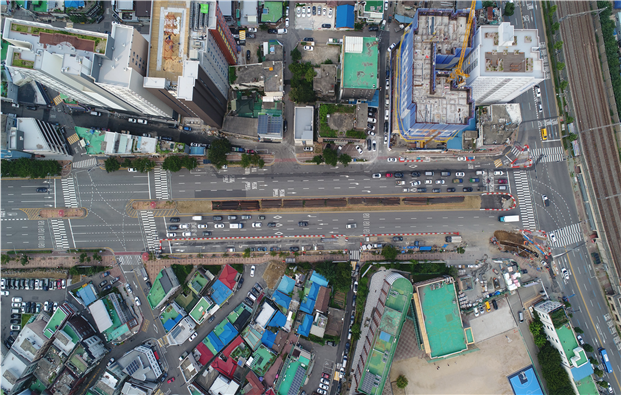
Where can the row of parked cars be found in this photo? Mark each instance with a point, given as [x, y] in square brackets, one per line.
[43, 284]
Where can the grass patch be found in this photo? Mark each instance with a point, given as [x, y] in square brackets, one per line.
[239, 267]
[26, 319]
[194, 206]
[356, 134]
[182, 272]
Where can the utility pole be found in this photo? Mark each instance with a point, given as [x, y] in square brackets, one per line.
[579, 14]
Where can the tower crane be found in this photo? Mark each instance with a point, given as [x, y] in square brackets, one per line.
[457, 73]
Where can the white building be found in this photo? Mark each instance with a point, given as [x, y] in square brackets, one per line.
[37, 137]
[505, 62]
[92, 68]
[304, 125]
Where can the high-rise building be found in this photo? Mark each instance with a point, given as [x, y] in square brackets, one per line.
[429, 108]
[504, 63]
[191, 47]
[92, 68]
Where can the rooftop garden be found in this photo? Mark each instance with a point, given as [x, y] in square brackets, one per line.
[21, 63]
[99, 45]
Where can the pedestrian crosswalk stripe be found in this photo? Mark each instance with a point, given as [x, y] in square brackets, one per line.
[149, 227]
[85, 163]
[355, 255]
[161, 181]
[498, 163]
[550, 154]
[73, 139]
[524, 200]
[567, 235]
[69, 193]
[60, 235]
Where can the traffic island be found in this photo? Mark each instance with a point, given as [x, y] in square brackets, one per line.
[154, 205]
[55, 213]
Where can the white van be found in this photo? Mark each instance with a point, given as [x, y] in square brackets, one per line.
[236, 225]
[251, 296]
[96, 114]
[197, 218]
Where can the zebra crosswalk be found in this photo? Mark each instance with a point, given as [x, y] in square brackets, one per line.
[550, 154]
[516, 151]
[149, 228]
[60, 234]
[85, 163]
[69, 192]
[524, 200]
[355, 255]
[498, 163]
[161, 179]
[566, 236]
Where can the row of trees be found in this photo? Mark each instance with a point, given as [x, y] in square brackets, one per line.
[329, 156]
[612, 49]
[248, 160]
[141, 164]
[30, 168]
[175, 163]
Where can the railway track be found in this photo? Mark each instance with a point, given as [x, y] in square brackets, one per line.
[589, 96]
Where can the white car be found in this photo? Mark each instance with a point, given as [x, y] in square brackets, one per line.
[16, 299]
[308, 149]
[386, 114]
[257, 224]
[308, 10]
[219, 225]
[252, 30]
[428, 182]
[298, 11]
[498, 173]
[308, 48]
[141, 121]
[287, 22]
[184, 226]
[374, 145]
[131, 120]
[386, 5]
[460, 174]
[476, 312]
[186, 234]
[392, 160]
[359, 149]
[565, 274]
[193, 336]
[330, 12]
[137, 301]
[324, 11]
[253, 271]
[376, 176]
[132, 170]
[171, 234]
[202, 226]
[385, 139]
[537, 91]
[552, 237]
[440, 182]
[391, 47]
[5, 293]
[461, 158]
[416, 183]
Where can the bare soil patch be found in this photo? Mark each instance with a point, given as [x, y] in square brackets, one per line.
[157, 205]
[62, 213]
[273, 273]
[194, 206]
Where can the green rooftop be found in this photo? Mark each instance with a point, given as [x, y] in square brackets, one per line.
[72, 334]
[112, 332]
[156, 293]
[569, 343]
[272, 12]
[262, 360]
[199, 313]
[40, 6]
[586, 386]
[233, 316]
[197, 283]
[360, 70]
[379, 360]
[93, 138]
[77, 362]
[55, 321]
[287, 379]
[187, 299]
[374, 6]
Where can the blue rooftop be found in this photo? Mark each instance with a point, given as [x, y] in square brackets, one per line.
[581, 372]
[313, 291]
[308, 305]
[228, 334]
[316, 277]
[215, 341]
[87, 294]
[345, 16]
[305, 325]
[286, 285]
[170, 323]
[278, 320]
[281, 299]
[74, 4]
[220, 293]
[268, 339]
[525, 382]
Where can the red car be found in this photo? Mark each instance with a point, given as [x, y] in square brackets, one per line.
[250, 151]
[502, 181]
[326, 376]
[388, 175]
[171, 380]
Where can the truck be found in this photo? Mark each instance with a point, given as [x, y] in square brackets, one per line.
[454, 239]
[282, 31]
[237, 149]
[509, 218]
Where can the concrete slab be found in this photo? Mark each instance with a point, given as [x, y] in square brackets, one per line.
[490, 324]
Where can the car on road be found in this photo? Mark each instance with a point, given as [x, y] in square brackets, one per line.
[436, 190]
[552, 237]
[386, 114]
[495, 304]
[303, 223]
[389, 175]
[537, 91]
[460, 174]
[287, 22]
[415, 174]
[256, 224]
[137, 301]
[186, 234]
[42, 190]
[193, 336]
[219, 225]
[271, 224]
[565, 273]
[173, 227]
[416, 183]
[171, 234]
[392, 160]
[308, 48]
[307, 39]
[373, 28]
[440, 182]
[545, 200]
[398, 175]
[503, 181]
[202, 226]
[174, 219]
[540, 106]
[474, 180]
[216, 218]
[428, 182]
[397, 238]
[320, 391]
[131, 120]
[376, 176]
[391, 47]
[272, 31]
[326, 26]
[248, 55]
[351, 226]
[451, 190]
[468, 189]
[461, 158]
[581, 340]
[172, 379]
[294, 249]
[253, 271]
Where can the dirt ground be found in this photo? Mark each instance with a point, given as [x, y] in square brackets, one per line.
[273, 273]
[33, 274]
[67, 213]
[321, 53]
[160, 205]
[503, 236]
[481, 372]
[194, 206]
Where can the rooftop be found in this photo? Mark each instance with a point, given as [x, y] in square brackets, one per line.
[526, 382]
[507, 51]
[55, 322]
[197, 283]
[169, 33]
[272, 11]
[170, 316]
[267, 75]
[164, 282]
[360, 62]
[304, 123]
[200, 312]
[569, 343]
[262, 360]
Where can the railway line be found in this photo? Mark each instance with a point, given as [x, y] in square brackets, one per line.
[597, 138]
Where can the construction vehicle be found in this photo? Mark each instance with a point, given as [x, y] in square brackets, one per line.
[457, 74]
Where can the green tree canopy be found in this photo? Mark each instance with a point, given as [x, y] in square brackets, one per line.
[218, 152]
[172, 163]
[317, 159]
[509, 9]
[402, 382]
[143, 164]
[558, 45]
[111, 164]
[330, 156]
[339, 276]
[389, 252]
[30, 168]
[344, 159]
[296, 54]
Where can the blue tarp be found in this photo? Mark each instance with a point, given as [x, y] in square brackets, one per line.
[403, 19]
[286, 285]
[308, 305]
[313, 291]
[172, 322]
[215, 341]
[221, 292]
[318, 279]
[305, 325]
[345, 16]
[268, 339]
[278, 320]
[281, 299]
[87, 294]
[384, 336]
[228, 334]
[74, 4]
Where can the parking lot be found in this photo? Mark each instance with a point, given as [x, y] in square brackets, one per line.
[320, 53]
[308, 21]
[324, 362]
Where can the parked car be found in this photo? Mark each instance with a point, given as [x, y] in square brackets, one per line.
[326, 26]
[468, 189]
[397, 238]
[193, 336]
[253, 271]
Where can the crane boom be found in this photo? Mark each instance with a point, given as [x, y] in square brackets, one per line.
[457, 72]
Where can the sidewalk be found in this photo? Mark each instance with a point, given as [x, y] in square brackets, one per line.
[59, 260]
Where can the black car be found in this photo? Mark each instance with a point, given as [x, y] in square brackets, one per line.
[173, 227]
[9, 342]
[347, 346]
[398, 175]
[248, 302]
[29, 307]
[105, 274]
[285, 125]
[436, 190]
[308, 39]
[415, 174]
[451, 189]
[421, 190]
[148, 284]
[272, 31]
[314, 10]
[206, 233]
[15, 316]
[31, 283]
[275, 249]
[371, 126]
[495, 304]
[397, 238]
[174, 219]
[294, 249]
[217, 218]
[165, 138]
[303, 223]
[369, 144]
[107, 288]
[468, 189]
[103, 283]
[271, 224]
[212, 318]
[240, 282]
[373, 28]
[248, 55]
[258, 287]
[326, 25]
[42, 190]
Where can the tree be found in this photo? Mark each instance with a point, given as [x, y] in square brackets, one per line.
[317, 159]
[540, 340]
[556, 26]
[536, 326]
[296, 54]
[564, 84]
[593, 360]
[389, 252]
[330, 156]
[402, 382]
[487, 4]
[245, 161]
[97, 257]
[569, 120]
[143, 165]
[24, 260]
[356, 331]
[598, 372]
[111, 164]
[218, 152]
[327, 62]
[509, 9]
[247, 253]
[588, 348]
[560, 65]
[5, 259]
[344, 159]
[172, 163]
[309, 75]
[552, 10]
[264, 27]
[558, 45]
[190, 163]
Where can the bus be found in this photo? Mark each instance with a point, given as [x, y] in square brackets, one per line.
[605, 360]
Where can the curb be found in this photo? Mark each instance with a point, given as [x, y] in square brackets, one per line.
[500, 194]
[410, 234]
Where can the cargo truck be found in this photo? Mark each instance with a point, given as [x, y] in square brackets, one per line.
[509, 218]
[454, 239]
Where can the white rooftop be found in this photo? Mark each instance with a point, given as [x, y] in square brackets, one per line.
[100, 315]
